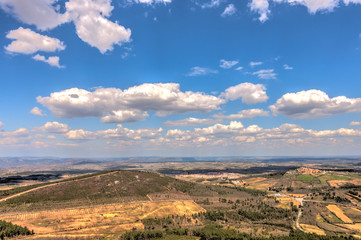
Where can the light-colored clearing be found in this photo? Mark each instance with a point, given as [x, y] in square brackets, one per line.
[313, 229]
[338, 183]
[339, 213]
[353, 227]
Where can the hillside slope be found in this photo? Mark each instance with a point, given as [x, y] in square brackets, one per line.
[116, 186]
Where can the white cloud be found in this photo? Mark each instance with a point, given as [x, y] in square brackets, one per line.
[239, 68]
[190, 122]
[163, 98]
[353, 123]
[152, 1]
[286, 67]
[118, 133]
[18, 137]
[227, 64]
[235, 133]
[67, 144]
[52, 127]
[211, 4]
[314, 6]
[253, 64]
[1, 124]
[89, 16]
[266, 74]
[249, 92]
[37, 111]
[229, 11]
[260, 7]
[41, 13]
[248, 113]
[92, 25]
[313, 104]
[28, 42]
[79, 134]
[125, 116]
[199, 71]
[52, 60]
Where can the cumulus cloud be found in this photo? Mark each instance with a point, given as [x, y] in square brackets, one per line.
[266, 74]
[118, 133]
[227, 64]
[1, 124]
[17, 137]
[52, 60]
[230, 10]
[248, 113]
[253, 64]
[125, 116]
[260, 7]
[239, 68]
[89, 16]
[199, 71]
[190, 122]
[129, 104]
[92, 25]
[41, 13]
[235, 133]
[353, 123]
[52, 127]
[26, 41]
[37, 111]
[249, 92]
[313, 104]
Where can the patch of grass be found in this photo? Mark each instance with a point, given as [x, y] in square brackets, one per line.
[306, 177]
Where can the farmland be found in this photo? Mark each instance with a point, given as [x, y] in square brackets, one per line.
[263, 203]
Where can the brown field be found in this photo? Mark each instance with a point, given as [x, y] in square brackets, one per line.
[339, 213]
[107, 219]
[338, 183]
[259, 183]
[313, 229]
[299, 184]
[285, 202]
[322, 223]
[353, 227]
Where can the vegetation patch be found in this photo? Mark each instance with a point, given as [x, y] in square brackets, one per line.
[9, 230]
[313, 229]
[305, 177]
[339, 213]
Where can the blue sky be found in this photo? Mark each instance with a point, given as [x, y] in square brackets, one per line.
[103, 78]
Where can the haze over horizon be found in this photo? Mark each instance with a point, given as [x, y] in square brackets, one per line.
[106, 78]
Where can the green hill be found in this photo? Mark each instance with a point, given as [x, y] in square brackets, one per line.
[107, 187]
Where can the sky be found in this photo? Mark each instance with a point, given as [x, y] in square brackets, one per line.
[122, 78]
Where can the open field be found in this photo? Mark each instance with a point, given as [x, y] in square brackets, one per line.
[305, 177]
[263, 202]
[339, 183]
[100, 219]
[353, 227]
[339, 213]
[313, 229]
